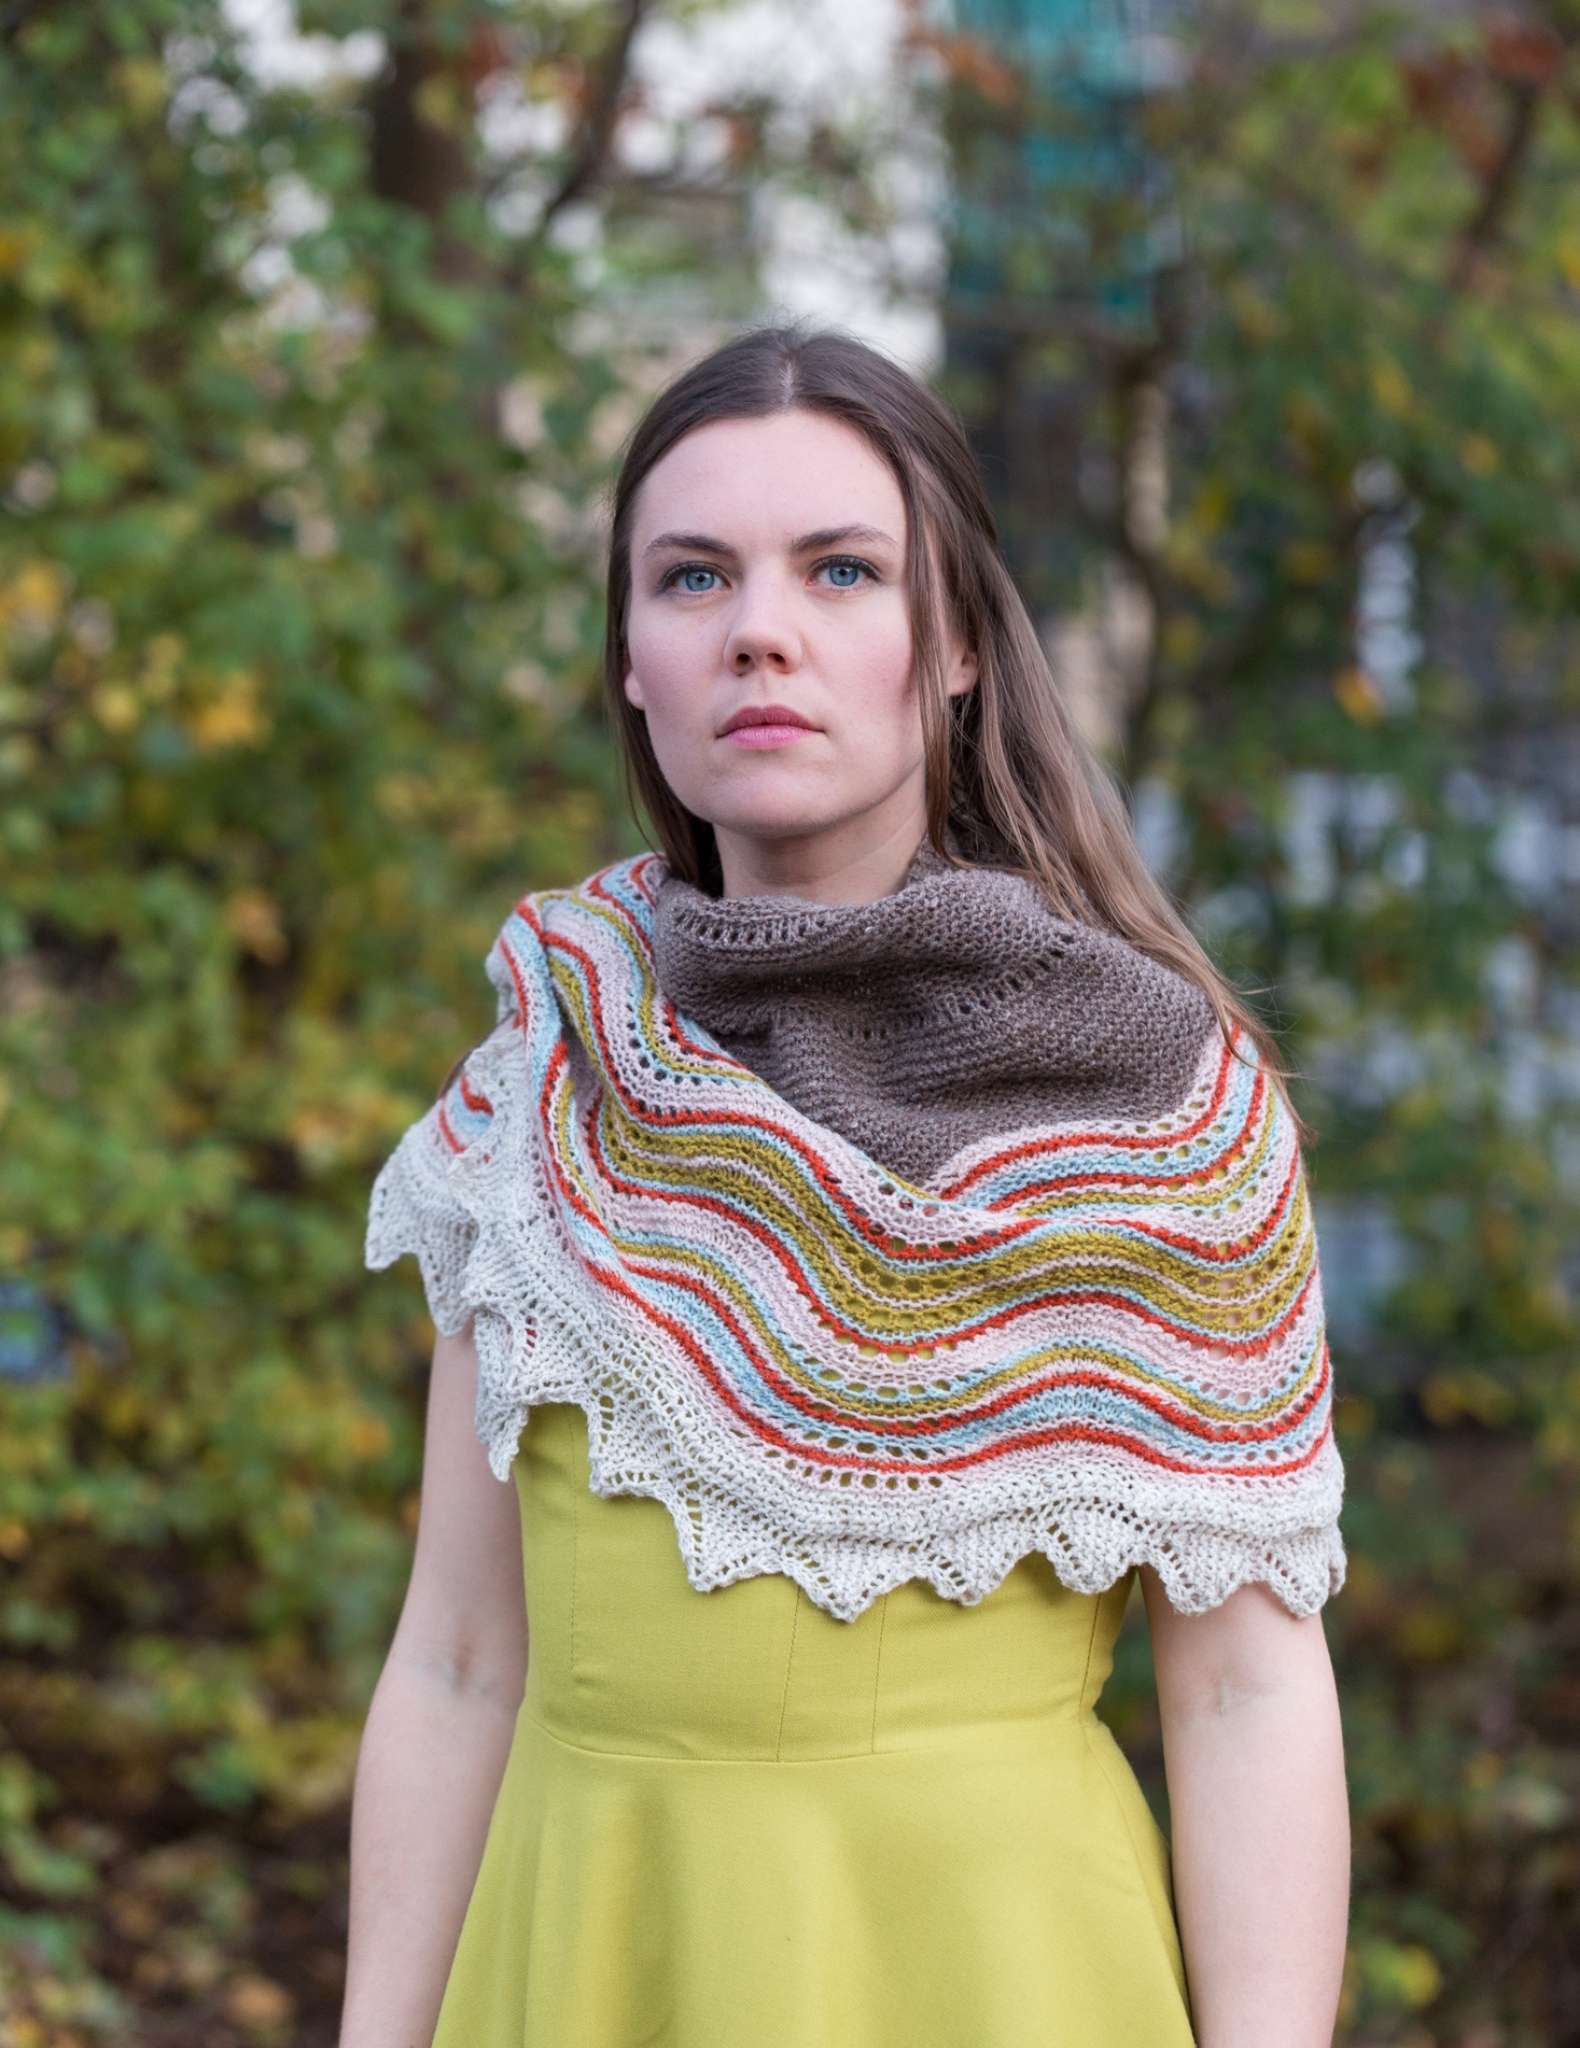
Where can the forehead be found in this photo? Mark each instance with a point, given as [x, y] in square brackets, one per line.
[758, 482]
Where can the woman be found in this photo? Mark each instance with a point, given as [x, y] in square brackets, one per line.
[872, 1238]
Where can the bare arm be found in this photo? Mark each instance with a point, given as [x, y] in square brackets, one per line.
[438, 1729]
[1259, 1816]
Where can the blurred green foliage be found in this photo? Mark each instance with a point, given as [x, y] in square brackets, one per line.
[1365, 339]
[299, 689]
[301, 616]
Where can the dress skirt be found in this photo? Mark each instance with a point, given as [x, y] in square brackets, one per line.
[729, 1820]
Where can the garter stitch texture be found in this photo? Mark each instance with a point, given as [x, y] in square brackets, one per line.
[884, 1241]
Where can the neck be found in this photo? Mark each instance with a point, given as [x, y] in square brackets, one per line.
[813, 870]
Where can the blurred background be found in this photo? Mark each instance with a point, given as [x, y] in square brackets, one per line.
[321, 330]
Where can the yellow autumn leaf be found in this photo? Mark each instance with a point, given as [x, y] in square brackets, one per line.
[123, 1410]
[253, 917]
[1190, 563]
[1358, 694]
[115, 707]
[16, 245]
[295, 1516]
[401, 798]
[1307, 561]
[232, 715]
[1305, 418]
[1419, 1974]
[1391, 387]
[142, 83]
[1182, 638]
[367, 1436]
[34, 597]
[255, 2002]
[161, 665]
[1210, 506]
[1430, 1633]
[1253, 314]
[34, 356]
[438, 101]
[318, 1133]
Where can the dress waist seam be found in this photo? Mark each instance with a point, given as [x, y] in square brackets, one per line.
[999, 1735]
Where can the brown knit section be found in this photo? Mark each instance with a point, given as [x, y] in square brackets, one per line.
[954, 1007]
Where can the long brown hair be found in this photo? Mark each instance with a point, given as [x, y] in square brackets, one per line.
[1006, 766]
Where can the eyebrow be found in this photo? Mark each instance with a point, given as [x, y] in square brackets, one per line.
[824, 537]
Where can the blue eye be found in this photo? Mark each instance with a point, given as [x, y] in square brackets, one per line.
[828, 562]
[686, 569]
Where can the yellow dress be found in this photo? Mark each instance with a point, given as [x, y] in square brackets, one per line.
[729, 1820]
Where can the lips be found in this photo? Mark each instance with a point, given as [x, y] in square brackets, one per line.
[766, 714]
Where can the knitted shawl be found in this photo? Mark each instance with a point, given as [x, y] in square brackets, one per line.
[884, 1241]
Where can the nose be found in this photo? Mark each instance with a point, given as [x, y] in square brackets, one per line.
[761, 632]
[745, 657]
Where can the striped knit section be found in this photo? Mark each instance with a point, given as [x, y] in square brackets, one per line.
[1102, 1339]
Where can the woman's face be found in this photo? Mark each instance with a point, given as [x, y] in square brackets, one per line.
[750, 585]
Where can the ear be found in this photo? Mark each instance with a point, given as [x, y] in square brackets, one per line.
[633, 690]
[965, 674]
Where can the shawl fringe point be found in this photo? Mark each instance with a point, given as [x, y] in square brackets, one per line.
[1090, 1544]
